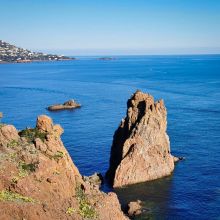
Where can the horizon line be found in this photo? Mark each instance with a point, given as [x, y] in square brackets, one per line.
[131, 52]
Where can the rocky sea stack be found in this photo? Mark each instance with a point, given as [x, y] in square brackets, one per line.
[38, 179]
[141, 149]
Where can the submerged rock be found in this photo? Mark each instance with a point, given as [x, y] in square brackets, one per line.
[71, 104]
[38, 179]
[141, 149]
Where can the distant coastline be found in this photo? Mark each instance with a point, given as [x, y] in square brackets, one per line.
[34, 61]
[12, 54]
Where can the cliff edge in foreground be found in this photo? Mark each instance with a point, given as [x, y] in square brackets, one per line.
[38, 179]
[141, 149]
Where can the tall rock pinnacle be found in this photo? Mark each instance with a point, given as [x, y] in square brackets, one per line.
[141, 149]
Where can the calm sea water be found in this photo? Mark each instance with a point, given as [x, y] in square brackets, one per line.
[190, 87]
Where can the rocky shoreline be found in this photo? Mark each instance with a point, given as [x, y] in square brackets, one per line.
[35, 61]
[38, 179]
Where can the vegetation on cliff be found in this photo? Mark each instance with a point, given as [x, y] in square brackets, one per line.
[38, 179]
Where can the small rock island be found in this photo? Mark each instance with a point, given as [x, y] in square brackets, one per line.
[71, 104]
[141, 148]
[106, 58]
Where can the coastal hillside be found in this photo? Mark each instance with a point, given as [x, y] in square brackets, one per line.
[10, 54]
[38, 179]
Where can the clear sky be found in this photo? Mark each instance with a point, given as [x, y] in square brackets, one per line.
[84, 27]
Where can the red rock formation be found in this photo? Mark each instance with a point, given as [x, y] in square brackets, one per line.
[71, 104]
[38, 179]
[141, 149]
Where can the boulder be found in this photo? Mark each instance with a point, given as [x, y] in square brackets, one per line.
[44, 123]
[134, 208]
[96, 179]
[71, 104]
[141, 149]
[8, 133]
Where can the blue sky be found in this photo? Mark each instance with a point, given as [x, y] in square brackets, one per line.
[90, 27]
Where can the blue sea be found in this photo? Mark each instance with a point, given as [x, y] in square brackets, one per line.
[190, 87]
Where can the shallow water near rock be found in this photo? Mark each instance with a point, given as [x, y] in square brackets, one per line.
[190, 87]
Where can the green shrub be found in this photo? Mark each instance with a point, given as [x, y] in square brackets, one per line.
[58, 155]
[13, 144]
[6, 195]
[86, 210]
[12, 156]
[32, 133]
[25, 169]
[70, 211]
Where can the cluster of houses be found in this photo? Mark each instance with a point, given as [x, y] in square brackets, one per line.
[11, 53]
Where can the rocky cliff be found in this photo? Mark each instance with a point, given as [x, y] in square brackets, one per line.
[141, 149]
[38, 179]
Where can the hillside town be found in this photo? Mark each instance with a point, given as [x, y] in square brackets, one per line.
[12, 54]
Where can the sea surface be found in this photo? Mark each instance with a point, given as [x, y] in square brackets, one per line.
[190, 87]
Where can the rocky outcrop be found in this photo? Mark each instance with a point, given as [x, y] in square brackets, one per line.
[141, 149]
[95, 180]
[71, 104]
[134, 208]
[38, 179]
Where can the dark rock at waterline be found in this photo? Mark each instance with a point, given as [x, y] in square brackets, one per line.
[177, 159]
[71, 104]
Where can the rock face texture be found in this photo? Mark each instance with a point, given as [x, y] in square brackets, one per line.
[71, 104]
[38, 179]
[141, 149]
